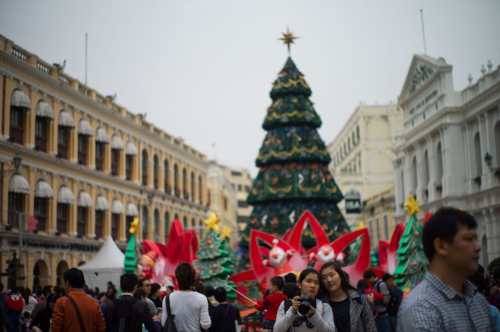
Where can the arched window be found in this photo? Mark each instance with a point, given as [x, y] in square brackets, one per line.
[65, 123]
[145, 218]
[101, 140]
[200, 189]
[348, 143]
[184, 184]
[144, 167]
[20, 104]
[439, 158]
[116, 147]
[156, 230]
[497, 144]
[155, 171]
[426, 169]
[357, 132]
[192, 186]
[167, 226]
[415, 175]
[176, 181]
[44, 115]
[166, 174]
[85, 131]
[185, 223]
[477, 155]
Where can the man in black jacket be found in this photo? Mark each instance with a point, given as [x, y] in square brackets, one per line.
[127, 314]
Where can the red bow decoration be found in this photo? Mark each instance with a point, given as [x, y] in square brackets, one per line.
[387, 252]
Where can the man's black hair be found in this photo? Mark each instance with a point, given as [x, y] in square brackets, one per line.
[154, 288]
[386, 277]
[128, 281]
[291, 277]
[140, 293]
[14, 290]
[172, 288]
[444, 225]
[141, 282]
[75, 277]
[209, 290]
[46, 291]
[220, 294]
[278, 282]
[478, 280]
[368, 274]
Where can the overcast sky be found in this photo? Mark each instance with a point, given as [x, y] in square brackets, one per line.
[203, 69]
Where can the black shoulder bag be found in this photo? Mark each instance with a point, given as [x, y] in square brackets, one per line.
[82, 326]
[169, 322]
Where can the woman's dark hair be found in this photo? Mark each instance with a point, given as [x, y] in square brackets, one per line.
[362, 286]
[220, 294]
[198, 286]
[172, 288]
[110, 295]
[154, 288]
[444, 225]
[26, 296]
[209, 290]
[291, 290]
[344, 280]
[185, 274]
[51, 299]
[140, 293]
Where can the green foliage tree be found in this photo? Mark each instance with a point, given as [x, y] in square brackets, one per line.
[293, 161]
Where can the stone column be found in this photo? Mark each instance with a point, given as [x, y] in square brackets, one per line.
[161, 173]
[51, 223]
[91, 214]
[73, 209]
[30, 121]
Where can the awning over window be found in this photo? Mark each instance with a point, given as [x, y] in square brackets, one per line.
[43, 190]
[44, 110]
[84, 200]
[101, 204]
[84, 128]
[132, 210]
[102, 135]
[118, 207]
[117, 143]
[65, 120]
[131, 150]
[20, 99]
[19, 185]
[65, 196]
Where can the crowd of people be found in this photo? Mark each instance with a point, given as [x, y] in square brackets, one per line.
[456, 295]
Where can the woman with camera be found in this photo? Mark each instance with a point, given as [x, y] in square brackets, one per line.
[305, 313]
[351, 311]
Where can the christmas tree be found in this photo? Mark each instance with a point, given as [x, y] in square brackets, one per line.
[214, 263]
[293, 165]
[130, 257]
[411, 259]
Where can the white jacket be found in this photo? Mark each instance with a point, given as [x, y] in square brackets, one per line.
[322, 319]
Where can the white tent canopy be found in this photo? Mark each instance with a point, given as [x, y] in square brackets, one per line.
[107, 265]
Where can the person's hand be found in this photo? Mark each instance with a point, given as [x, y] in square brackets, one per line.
[36, 329]
[312, 311]
[371, 298]
[157, 318]
[295, 304]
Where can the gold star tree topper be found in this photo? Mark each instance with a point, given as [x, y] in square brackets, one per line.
[212, 222]
[412, 205]
[225, 232]
[288, 38]
[134, 226]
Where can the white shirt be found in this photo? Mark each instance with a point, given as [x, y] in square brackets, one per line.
[190, 310]
[30, 305]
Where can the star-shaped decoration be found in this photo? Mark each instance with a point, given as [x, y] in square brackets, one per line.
[412, 205]
[212, 222]
[225, 232]
[134, 226]
[288, 38]
[361, 225]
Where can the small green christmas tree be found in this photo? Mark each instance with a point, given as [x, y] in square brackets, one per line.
[214, 263]
[412, 263]
[374, 262]
[130, 256]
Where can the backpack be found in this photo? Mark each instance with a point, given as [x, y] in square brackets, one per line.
[122, 315]
[392, 306]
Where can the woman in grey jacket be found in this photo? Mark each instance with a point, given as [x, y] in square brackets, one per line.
[350, 311]
[319, 319]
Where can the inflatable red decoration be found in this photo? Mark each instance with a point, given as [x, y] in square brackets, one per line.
[387, 252]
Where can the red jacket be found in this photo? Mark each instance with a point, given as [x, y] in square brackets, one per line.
[15, 302]
[271, 303]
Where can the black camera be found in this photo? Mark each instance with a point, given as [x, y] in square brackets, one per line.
[305, 304]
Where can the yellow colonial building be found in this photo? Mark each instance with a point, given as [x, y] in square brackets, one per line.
[362, 164]
[89, 167]
[242, 182]
[223, 200]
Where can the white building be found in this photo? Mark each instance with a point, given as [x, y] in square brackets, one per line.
[447, 134]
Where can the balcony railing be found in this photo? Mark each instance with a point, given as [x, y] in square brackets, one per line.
[41, 143]
[16, 134]
[41, 226]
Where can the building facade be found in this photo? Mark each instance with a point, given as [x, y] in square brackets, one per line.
[378, 215]
[89, 167]
[362, 161]
[440, 156]
[242, 182]
[223, 200]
